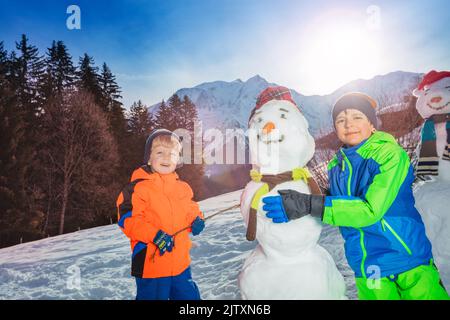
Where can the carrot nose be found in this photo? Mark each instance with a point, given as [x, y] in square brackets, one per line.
[268, 127]
[436, 99]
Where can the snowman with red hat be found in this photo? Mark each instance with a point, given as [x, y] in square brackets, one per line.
[433, 196]
[433, 104]
[287, 263]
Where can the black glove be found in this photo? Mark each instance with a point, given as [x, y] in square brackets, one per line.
[297, 204]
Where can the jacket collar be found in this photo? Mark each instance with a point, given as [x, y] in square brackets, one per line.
[146, 173]
[349, 151]
[374, 141]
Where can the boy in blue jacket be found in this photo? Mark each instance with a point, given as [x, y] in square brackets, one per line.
[372, 202]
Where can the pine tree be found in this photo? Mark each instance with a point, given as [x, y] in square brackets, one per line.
[110, 88]
[29, 68]
[182, 114]
[117, 121]
[17, 219]
[166, 115]
[186, 118]
[12, 70]
[60, 72]
[88, 78]
[25, 73]
[3, 64]
[3, 54]
[140, 123]
[118, 127]
[188, 114]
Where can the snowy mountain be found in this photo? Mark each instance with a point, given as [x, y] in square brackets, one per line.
[227, 104]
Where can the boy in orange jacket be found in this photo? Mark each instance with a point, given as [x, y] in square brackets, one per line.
[152, 208]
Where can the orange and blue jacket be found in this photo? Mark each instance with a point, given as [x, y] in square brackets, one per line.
[153, 202]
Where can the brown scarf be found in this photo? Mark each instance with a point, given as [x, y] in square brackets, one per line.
[272, 181]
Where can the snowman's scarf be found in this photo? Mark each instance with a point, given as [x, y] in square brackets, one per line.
[269, 182]
[428, 157]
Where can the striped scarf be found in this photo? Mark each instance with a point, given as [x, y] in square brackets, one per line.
[428, 157]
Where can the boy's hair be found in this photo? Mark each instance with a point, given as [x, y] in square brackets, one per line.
[166, 141]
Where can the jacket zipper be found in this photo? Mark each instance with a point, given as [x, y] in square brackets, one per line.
[361, 232]
[384, 223]
[171, 213]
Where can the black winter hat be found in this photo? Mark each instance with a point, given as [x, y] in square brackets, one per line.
[358, 101]
[151, 138]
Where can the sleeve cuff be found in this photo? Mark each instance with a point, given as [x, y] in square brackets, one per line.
[327, 212]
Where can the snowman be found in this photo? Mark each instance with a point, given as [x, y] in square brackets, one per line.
[433, 196]
[287, 263]
[433, 104]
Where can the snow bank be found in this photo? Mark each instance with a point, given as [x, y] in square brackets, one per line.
[95, 263]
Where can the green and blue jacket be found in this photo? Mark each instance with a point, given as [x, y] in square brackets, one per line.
[371, 200]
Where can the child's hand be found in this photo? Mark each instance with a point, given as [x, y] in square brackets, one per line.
[164, 242]
[290, 205]
[275, 209]
[197, 226]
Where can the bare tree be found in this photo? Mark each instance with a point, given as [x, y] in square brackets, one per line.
[79, 148]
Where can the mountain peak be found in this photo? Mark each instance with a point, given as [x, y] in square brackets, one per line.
[228, 104]
[256, 78]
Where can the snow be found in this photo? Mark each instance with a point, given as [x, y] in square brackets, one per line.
[43, 269]
[436, 218]
[46, 269]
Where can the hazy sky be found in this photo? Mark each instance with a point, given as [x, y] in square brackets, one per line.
[158, 46]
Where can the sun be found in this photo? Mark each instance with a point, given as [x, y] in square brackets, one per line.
[335, 55]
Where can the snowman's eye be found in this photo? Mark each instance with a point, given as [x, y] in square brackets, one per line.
[259, 120]
[283, 116]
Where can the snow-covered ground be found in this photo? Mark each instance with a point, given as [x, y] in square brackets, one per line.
[433, 202]
[95, 263]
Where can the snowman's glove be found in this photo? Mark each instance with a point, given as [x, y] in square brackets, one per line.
[292, 205]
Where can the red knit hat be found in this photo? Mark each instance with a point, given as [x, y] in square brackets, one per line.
[272, 93]
[432, 77]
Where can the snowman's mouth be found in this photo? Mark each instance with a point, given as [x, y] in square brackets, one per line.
[271, 141]
[438, 108]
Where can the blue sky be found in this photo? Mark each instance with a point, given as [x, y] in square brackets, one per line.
[158, 46]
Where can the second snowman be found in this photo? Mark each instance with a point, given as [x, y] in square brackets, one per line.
[288, 262]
